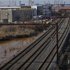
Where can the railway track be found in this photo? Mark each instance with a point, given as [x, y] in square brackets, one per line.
[32, 45]
[37, 54]
[25, 67]
[31, 53]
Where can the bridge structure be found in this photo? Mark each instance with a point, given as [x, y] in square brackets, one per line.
[45, 52]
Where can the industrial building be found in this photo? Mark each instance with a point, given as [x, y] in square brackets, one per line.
[6, 13]
[12, 14]
[24, 13]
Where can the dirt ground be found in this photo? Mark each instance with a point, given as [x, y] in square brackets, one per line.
[10, 49]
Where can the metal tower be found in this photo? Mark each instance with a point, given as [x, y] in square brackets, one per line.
[31, 2]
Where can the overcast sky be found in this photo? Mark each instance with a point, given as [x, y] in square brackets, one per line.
[13, 2]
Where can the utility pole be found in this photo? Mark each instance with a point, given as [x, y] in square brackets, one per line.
[31, 2]
[57, 47]
[14, 1]
[9, 4]
[57, 43]
[20, 3]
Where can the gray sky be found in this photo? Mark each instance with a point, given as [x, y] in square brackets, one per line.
[12, 2]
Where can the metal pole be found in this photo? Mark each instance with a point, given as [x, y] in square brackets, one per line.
[57, 42]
